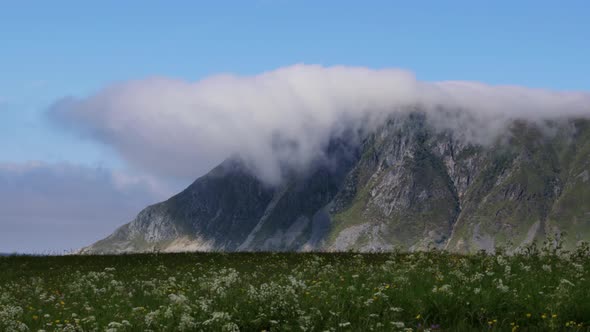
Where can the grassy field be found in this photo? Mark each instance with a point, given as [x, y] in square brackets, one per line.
[538, 291]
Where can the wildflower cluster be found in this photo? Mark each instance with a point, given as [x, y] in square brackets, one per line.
[422, 291]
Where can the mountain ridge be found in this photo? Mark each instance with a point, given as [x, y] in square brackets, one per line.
[403, 185]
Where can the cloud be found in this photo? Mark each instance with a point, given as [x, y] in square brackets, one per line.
[64, 206]
[177, 128]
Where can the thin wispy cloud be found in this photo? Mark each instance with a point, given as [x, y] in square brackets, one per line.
[68, 198]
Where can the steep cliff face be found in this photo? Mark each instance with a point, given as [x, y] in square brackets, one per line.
[405, 185]
[524, 186]
[216, 212]
[229, 209]
[399, 194]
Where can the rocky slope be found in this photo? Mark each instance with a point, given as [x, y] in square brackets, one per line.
[406, 185]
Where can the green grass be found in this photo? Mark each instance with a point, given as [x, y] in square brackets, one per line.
[539, 291]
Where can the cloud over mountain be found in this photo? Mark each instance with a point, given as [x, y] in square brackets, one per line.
[181, 129]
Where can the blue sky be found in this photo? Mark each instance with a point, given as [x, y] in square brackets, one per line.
[53, 49]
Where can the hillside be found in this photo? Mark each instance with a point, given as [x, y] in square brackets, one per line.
[405, 184]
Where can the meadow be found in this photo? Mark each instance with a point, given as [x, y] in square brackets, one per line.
[534, 290]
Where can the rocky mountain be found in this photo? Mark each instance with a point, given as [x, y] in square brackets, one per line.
[405, 184]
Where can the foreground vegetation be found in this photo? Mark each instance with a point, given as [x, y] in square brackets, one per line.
[535, 290]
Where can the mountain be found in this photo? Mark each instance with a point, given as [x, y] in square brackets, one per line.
[406, 184]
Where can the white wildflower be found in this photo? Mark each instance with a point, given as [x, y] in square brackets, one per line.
[501, 287]
[566, 282]
[399, 325]
[187, 323]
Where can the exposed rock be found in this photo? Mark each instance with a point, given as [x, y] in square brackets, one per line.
[404, 185]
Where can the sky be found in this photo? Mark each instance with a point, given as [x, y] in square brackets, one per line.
[62, 188]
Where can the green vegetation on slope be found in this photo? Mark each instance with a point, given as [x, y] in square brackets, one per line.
[537, 291]
[571, 211]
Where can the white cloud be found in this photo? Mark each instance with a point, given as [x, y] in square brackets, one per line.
[182, 129]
